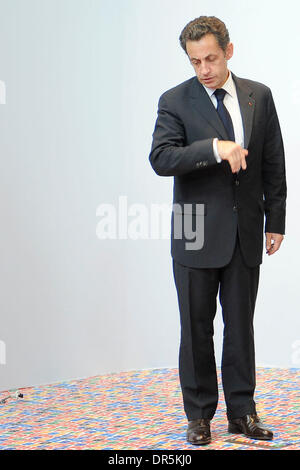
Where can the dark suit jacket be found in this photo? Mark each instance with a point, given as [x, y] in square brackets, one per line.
[182, 147]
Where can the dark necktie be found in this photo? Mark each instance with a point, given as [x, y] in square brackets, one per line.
[224, 114]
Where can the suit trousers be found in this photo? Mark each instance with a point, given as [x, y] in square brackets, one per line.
[197, 290]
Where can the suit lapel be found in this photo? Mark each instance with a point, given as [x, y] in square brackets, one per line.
[247, 107]
[203, 104]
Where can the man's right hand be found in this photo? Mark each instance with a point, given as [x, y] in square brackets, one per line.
[233, 153]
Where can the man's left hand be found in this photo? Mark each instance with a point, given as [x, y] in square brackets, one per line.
[273, 242]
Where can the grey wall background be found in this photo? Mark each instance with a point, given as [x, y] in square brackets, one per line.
[83, 78]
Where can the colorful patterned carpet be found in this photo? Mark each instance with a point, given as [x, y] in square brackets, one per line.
[140, 410]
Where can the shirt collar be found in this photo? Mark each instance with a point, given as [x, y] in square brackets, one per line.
[228, 86]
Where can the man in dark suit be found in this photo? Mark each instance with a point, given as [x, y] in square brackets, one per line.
[219, 137]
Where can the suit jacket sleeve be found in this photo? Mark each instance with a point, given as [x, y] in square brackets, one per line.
[273, 173]
[170, 155]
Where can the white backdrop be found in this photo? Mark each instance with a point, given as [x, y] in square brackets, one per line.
[82, 80]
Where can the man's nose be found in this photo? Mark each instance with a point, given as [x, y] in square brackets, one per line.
[204, 69]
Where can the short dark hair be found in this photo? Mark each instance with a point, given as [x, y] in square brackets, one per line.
[201, 26]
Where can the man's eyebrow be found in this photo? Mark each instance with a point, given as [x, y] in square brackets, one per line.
[209, 55]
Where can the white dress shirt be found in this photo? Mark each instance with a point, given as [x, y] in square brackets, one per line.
[232, 104]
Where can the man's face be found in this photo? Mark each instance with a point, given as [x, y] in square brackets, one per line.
[209, 60]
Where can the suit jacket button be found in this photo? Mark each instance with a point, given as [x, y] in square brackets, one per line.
[235, 208]
[237, 182]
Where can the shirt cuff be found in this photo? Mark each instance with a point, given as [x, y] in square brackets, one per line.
[215, 148]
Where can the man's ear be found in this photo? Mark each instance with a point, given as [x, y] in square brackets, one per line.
[229, 51]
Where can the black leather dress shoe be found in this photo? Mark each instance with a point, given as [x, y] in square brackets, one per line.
[198, 431]
[251, 426]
